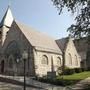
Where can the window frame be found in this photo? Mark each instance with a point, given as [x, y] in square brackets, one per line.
[70, 59]
[59, 60]
[44, 60]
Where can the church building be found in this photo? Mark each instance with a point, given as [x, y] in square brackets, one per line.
[44, 54]
[70, 55]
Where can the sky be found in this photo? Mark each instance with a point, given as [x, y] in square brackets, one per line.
[39, 14]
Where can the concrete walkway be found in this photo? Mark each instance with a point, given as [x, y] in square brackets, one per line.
[30, 81]
[82, 85]
[79, 86]
[8, 86]
[11, 80]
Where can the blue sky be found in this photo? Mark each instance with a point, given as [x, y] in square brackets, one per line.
[39, 14]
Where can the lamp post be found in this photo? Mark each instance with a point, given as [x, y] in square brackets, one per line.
[17, 60]
[25, 56]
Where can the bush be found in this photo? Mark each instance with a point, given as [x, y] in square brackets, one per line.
[83, 69]
[68, 71]
[88, 69]
[52, 81]
[78, 70]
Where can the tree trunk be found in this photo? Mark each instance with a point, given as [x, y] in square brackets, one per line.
[88, 53]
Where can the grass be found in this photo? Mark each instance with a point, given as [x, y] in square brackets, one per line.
[67, 79]
[74, 78]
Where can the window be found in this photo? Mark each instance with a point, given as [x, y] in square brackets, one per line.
[0, 34]
[58, 61]
[10, 63]
[44, 60]
[76, 61]
[70, 59]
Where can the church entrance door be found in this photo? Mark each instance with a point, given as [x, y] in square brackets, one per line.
[2, 66]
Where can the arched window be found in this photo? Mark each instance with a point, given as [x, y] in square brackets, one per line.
[0, 34]
[2, 66]
[10, 63]
[44, 59]
[70, 59]
[59, 61]
[76, 61]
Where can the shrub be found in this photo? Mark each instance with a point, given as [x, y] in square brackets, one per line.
[52, 81]
[78, 70]
[83, 69]
[88, 69]
[68, 71]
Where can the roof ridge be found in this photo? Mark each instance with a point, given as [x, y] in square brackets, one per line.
[38, 39]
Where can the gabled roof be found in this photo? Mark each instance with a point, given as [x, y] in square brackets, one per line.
[39, 40]
[7, 19]
[62, 43]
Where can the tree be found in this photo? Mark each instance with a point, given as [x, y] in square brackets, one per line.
[82, 26]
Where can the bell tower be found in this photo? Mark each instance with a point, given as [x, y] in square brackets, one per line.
[5, 25]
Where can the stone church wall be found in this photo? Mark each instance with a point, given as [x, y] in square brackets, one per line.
[41, 68]
[16, 43]
[72, 58]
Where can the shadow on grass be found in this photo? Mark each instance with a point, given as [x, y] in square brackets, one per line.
[61, 82]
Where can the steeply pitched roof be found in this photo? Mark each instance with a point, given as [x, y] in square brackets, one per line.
[7, 19]
[62, 43]
[39, 40]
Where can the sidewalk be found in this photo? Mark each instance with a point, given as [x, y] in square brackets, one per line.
[30, 82]
[33, 84]
[82, 85]
[10, 80]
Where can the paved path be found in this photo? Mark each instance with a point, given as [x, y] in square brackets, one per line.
[82, 85]
[79, 86]
[7, 86]
[32, 82]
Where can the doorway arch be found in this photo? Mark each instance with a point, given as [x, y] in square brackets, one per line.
[2, 66]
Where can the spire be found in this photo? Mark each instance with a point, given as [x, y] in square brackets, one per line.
[7, 19]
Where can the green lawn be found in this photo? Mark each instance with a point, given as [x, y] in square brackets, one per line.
[74, 78]
[67, 79]
[77, 76]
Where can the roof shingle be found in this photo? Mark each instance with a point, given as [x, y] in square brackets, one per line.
[39, 40]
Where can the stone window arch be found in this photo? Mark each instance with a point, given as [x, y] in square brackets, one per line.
[0, 35]
[59, 61]
[76, 60]
[2, 66]
[10, 63]
[70, 59]
[44, 60]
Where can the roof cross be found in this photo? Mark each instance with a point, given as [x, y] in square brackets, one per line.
[9, 3]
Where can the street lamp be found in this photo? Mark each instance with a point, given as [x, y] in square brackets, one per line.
[17, 61]
[24, 56]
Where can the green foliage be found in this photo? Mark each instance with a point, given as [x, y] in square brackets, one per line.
[59, 70]
[78, 70]
[74, 78]
[68, 71]
[54, 81]
[77, 76]
[82, 26]
[65, 79]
